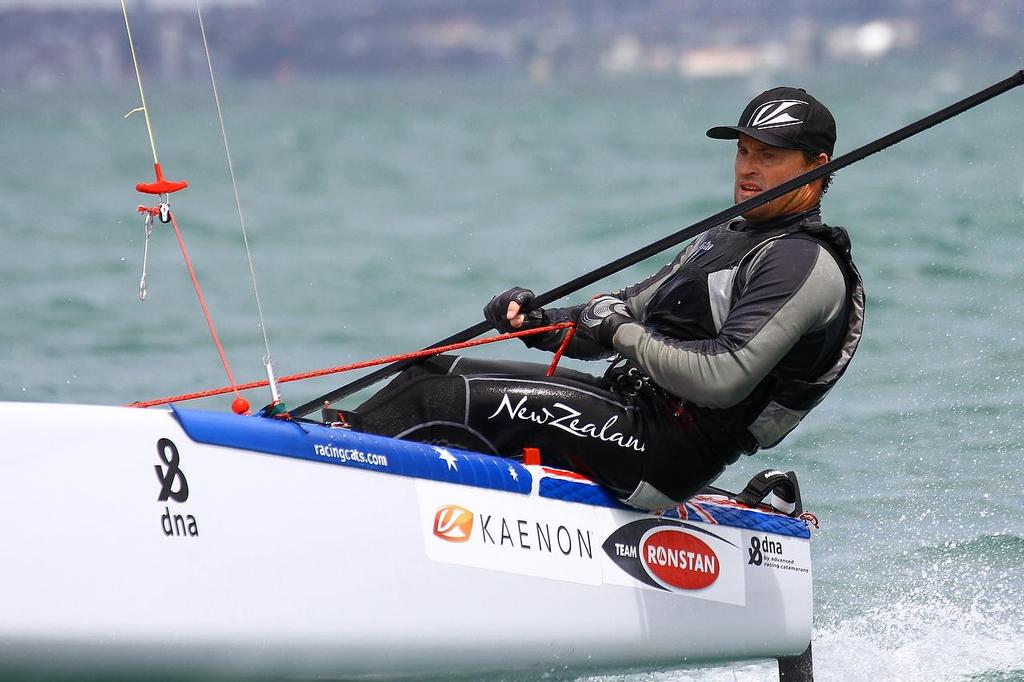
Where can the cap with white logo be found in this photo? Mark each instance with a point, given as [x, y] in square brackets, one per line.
[784, 117]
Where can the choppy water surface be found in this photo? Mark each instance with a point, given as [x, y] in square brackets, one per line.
[383, 214]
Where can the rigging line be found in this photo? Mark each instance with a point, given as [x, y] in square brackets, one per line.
[138, 78]
[206, 311]
[234, 184]
[358, 365]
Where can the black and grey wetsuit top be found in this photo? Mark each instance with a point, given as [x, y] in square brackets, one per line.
[750, 325]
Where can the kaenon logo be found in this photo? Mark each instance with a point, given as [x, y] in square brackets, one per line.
[453, 523]
[776, 114]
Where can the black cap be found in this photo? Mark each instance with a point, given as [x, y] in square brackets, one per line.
[784, 117]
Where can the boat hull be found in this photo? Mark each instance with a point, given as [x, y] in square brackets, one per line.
[145, 539]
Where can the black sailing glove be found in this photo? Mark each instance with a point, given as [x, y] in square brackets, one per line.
[496, 310]
[601, 317]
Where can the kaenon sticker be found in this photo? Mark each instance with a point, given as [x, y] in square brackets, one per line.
[511, 533]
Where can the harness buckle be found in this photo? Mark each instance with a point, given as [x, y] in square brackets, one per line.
[627, 379]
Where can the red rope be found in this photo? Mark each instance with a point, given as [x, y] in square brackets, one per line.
[561, 350]
[155, 211]
[206, 311]
[358, 365]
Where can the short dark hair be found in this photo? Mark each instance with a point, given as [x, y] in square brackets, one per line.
[813, 156]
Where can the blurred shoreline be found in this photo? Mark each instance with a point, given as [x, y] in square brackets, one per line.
[47, 45]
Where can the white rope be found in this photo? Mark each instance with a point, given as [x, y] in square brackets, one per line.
[138, 78]
[268, 363]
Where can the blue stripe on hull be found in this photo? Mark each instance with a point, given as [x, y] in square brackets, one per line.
[319, 443]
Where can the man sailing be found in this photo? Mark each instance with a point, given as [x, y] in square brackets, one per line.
[720, 353]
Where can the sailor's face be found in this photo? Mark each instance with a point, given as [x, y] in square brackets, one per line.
[760, 166]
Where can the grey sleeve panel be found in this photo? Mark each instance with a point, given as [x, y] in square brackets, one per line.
[795, 287]
[720, 286]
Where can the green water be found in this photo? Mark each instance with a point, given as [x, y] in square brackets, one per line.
[383, 214]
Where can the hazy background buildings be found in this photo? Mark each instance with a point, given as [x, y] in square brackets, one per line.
[52, 42]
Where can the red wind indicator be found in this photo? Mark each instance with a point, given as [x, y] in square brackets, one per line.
[162, 185]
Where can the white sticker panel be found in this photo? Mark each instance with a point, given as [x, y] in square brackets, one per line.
[512, 533]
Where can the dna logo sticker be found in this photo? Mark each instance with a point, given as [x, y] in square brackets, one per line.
[174, 487]
[169, 456]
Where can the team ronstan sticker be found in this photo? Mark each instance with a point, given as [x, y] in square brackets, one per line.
[675, 556]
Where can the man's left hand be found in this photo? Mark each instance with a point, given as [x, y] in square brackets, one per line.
[601, 317]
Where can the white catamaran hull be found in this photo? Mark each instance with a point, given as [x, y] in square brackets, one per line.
[141, 539]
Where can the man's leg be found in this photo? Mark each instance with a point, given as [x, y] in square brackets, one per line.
[502, 407]
[426, 403]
